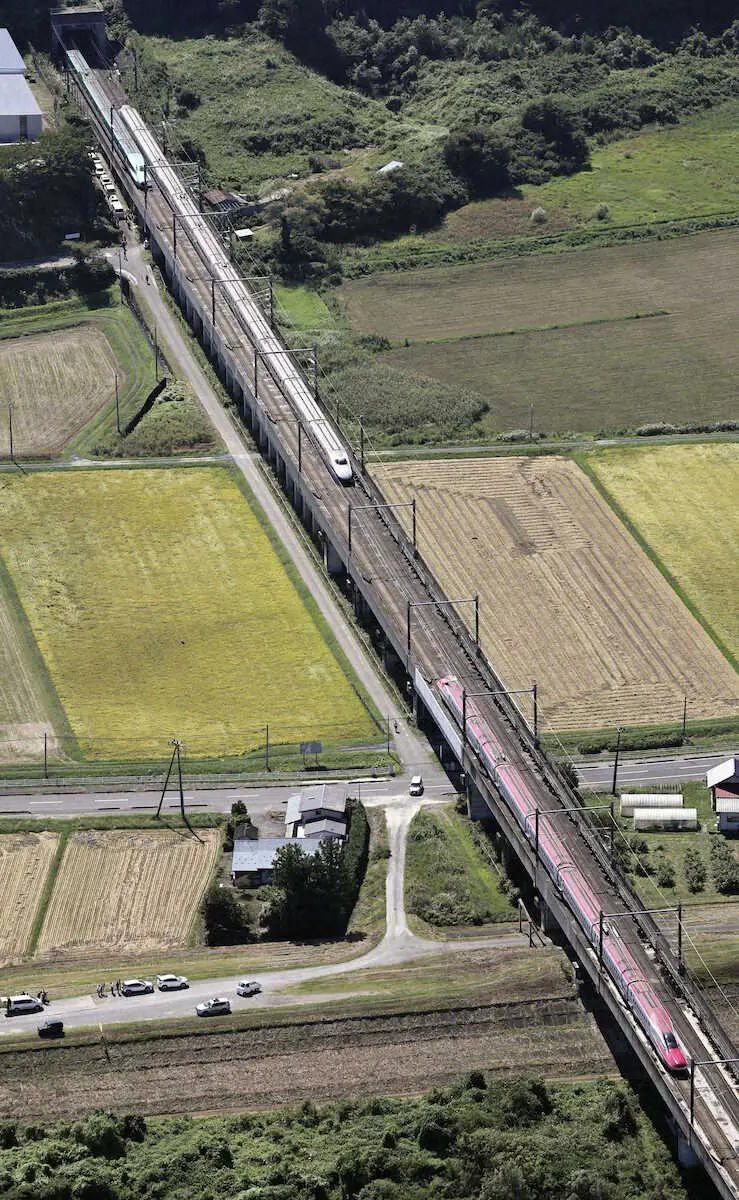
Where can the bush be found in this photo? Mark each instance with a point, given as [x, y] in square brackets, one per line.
[694, 870]
[226, 923]
[724, 866]
[665, 873]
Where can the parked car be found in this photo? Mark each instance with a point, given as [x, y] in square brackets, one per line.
[15, 1005]
[246, 987]
[171, 983]
[136, 987]
[416, 788]
[51, 1028]
[218, 1006]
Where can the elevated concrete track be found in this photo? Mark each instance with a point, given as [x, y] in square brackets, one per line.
[382, 573]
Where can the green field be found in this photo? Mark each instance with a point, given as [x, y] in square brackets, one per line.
[684, 503]
[597, 340]
[162, 608]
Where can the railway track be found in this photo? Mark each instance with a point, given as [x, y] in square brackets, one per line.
[383, 568]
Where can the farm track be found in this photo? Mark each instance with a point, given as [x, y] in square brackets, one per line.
[390, 582]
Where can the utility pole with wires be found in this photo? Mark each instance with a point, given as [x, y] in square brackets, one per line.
[176, 747]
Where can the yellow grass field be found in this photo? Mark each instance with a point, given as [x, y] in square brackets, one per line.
[25, 859]
[684, 500]
[128, 890]
[567, 597]
[56, 382]
[162, 609]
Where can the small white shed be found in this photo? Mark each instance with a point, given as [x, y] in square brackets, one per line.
[632, 801]
[675, 820]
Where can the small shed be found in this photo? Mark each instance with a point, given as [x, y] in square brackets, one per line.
[723, 780]
[675, 820]
[254, 860]
[632, 801]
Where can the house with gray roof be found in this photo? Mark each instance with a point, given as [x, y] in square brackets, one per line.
[254, 859]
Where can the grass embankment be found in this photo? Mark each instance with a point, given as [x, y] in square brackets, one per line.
[211, 638]
[653, 858]
[450, 883]
[369, 916]
[683, 504]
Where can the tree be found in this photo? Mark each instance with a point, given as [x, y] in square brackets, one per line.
[480, 157]
[226, 923]
[313, 893]
[694, 870]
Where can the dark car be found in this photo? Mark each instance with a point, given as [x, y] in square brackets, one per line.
[51, 1028]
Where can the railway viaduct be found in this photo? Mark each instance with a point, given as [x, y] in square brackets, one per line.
[422, 637]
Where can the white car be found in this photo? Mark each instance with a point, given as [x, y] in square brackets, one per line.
[218, 1006]
[136, 987]
[15, 1005]
[171, 983]
[248, 987]
[416, 788]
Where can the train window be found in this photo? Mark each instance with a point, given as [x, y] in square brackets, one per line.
[341, 462]
[671, 1041]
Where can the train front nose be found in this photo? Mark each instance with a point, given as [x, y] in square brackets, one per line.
[676, 1060]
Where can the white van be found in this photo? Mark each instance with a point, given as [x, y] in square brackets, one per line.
[23, 1004]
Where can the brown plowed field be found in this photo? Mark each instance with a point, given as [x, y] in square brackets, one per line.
[218, 1070]
[25, 859]
[567, 597]
[128, 889]
[56, 382]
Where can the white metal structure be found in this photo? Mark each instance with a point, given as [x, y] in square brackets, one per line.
[684, 819]
[631, 802]
[277, 358]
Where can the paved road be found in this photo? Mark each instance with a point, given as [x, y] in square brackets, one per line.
[398, 945]
[632, 772]
[259, 800]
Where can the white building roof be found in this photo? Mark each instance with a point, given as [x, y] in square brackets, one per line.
[16, 98]
[11, 62]
[393, 165]
[727, 804]
[260, 854]
[631, 801]
[667, 816]
[729, 769]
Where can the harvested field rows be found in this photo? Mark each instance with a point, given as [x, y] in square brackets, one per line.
[571, 348]
[566, 594]
[403, 1055]
[128, 890]
[684, 501]
[56, 382]
[25, 859]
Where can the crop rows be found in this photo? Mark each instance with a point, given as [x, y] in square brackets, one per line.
[567, 597]
[56, 381]
[25, 859]
[128, 889]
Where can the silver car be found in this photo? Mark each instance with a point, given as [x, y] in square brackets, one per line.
[171, 983]
[218, 1006]
[248, 987]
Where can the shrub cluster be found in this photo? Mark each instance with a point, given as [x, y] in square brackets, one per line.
[724, 866]
[694, 869]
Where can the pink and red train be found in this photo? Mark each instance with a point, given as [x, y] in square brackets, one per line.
[569, 880]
